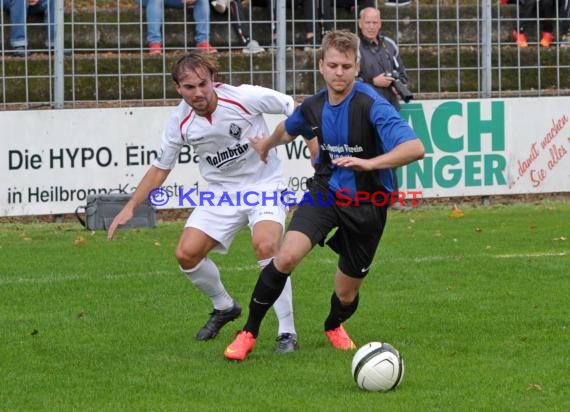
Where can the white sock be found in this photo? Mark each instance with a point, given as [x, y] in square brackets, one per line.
[206, 277]
[283, 306]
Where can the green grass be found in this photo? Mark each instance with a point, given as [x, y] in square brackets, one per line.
[477, 305]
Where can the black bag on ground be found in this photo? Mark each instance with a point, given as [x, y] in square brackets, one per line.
[101, 210]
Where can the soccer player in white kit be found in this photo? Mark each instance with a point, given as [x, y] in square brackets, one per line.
[217, 120]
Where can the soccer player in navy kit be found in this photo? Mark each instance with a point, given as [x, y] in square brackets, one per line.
[361, 138]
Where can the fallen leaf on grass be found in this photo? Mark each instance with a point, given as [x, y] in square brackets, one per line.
[456, 212]
[559, 238]
[534, 387]
[35, 332]
[80, 241]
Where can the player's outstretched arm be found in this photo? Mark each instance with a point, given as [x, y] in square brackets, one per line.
[153, 178]
[262, 145]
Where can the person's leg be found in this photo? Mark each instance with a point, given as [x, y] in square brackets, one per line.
[191, 253]
[202, 20]
[327, 14]
[355, 241]
[210, 229]
[268, 288]
[547, 16]
[309, 15]
[265, 239]
[310, 224]
[47, 8]
[344, 302]
[345, 299]
[18, 11]
[547, 12]
[565, 25]
[526, 9]
[154, 11]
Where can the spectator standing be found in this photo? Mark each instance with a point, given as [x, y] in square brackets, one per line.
[154, 10]
[19, 10]
[379, 59]
[544, 11]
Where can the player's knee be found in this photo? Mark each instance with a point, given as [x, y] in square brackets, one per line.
[346, 296]
[265, 249]
[187, 259]
[286, 262]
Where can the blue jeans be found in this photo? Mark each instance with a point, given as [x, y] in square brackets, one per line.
[155, 18]
[18, 15]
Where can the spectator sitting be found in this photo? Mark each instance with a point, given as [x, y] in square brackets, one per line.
[565, 25]
[315, 11]
[155, 17]
[18, 10]
[322, 10]
[544, 10]
[237, 15]
[355, 6]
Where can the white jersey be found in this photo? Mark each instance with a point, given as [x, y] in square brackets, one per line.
[221, 140]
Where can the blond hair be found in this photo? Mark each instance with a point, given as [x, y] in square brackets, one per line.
[343, 41]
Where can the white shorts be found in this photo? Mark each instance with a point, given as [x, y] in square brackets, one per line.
[222, 223]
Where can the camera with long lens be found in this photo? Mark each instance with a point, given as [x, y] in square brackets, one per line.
[400, 86]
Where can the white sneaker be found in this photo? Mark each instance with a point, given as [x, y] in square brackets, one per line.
[253, 47]
[220, 5]
[397, 3]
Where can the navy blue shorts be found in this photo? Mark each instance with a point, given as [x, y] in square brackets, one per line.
[359, 228]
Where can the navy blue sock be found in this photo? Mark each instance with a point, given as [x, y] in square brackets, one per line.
[269, 286]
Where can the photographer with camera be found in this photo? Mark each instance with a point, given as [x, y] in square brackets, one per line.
[381, 66]
[380, 63]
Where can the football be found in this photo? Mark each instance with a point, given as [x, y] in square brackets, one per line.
[377, 367]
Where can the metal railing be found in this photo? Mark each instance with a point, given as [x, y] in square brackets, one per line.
[451, 49]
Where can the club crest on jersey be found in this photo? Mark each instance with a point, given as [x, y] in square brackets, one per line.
[235, 131]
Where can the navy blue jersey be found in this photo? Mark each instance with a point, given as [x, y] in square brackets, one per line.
[364, 125]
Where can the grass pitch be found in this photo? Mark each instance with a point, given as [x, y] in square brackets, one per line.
[478, 306]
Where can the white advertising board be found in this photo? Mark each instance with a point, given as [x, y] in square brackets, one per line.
[51, 160]
[490, 147]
